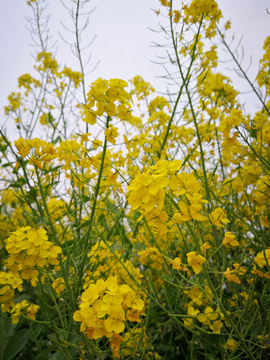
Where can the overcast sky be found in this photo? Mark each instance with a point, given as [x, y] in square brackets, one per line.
[123, 43]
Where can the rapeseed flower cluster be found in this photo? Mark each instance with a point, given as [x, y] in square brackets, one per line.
[15, 101]
[147, 192]
[104, 309]
[26, 81]
[103, 95]
[23, 307]
[43, 153]
[48, 62]
[29, 251]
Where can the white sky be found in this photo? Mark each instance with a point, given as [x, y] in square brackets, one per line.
[123, 43]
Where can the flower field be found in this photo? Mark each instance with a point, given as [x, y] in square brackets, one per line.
[134, 224]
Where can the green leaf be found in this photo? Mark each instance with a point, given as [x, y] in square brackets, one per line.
[3, 148]
[2, 337]
[53, 357]
[253, 133]
[7, 164]
[85, 199]
[52, 169]
[31, 195]
[163, 347]
[6, 331]
[21, 298]
[57, 356]
[21, 180]
[14, 185]
[16, 344]
[9, 328]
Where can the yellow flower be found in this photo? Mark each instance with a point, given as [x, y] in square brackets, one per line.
[177, 16]
[177, 264]
[264, 221]
[182, 183]
[165, 2]
[205, 247]
[116, 341]
[231, 277]
[15, 102]
[231, 344]
[111, 133]
[23, 147]
[59, 285]
[102, 311]
[17, 310]
[84, 138]
[48, 62]
[197, 8]
[192, 312]
[74, 76]
[54, 251]
[230, 239]
[216, 326]
[142, 88]
[103, 94]
[91, 294]
[218, 217]
[241, 270]
[43, 119]
[191, 211]
[114, 325]
[32, 310]
[260, 257]
[208, 315]
[96, 143]
[89, 116]
[227, 25]
[195, 261]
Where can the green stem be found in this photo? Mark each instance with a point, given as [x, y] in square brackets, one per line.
[87, 242]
